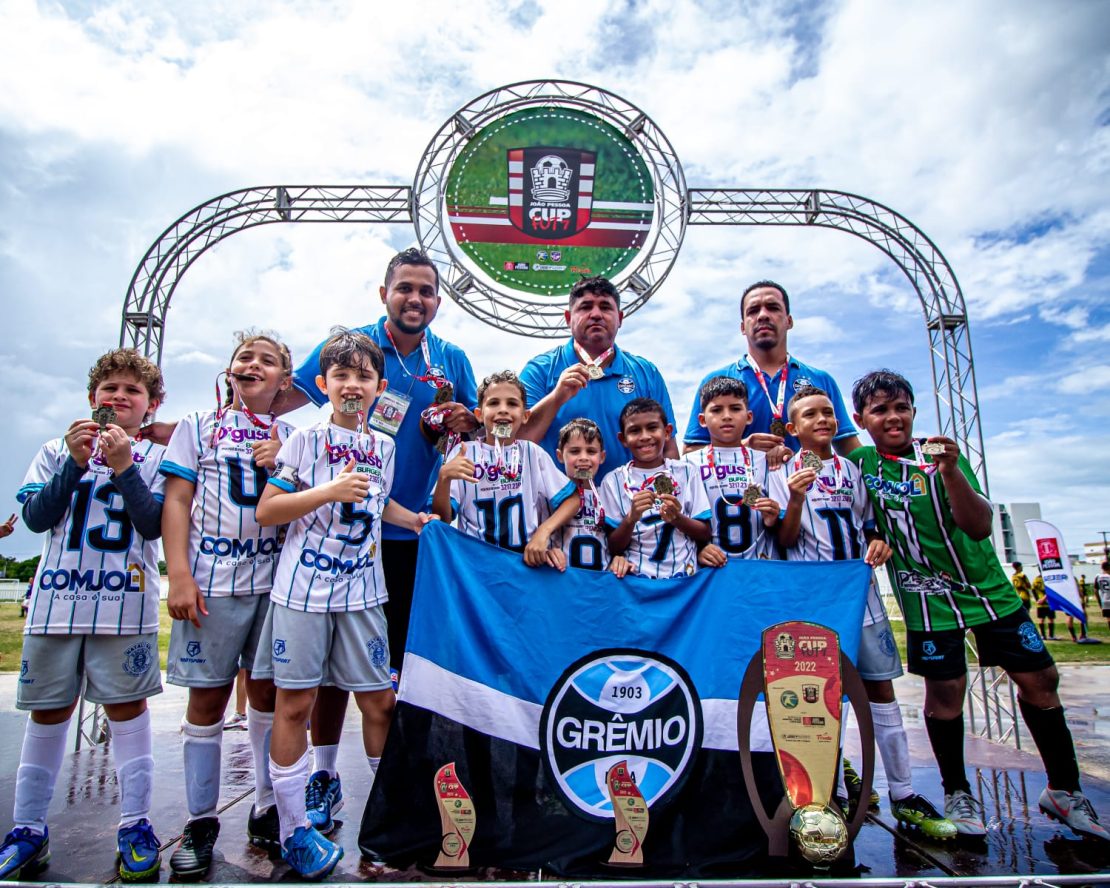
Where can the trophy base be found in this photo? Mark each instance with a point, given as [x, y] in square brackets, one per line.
[448, 870]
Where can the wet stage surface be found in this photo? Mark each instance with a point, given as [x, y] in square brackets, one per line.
[1020, 839]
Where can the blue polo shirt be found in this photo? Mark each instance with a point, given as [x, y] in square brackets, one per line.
[797, 376]
[628, 376]
[418, 463]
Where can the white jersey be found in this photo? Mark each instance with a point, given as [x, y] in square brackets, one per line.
[657, 549]
[97, 576]
[330, 560]
[835, 515]
[229, 554]
[1102, 588]
[725, 473]
[583, 539]
[513, 492]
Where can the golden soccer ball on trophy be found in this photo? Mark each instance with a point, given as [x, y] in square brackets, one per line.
[820, 834]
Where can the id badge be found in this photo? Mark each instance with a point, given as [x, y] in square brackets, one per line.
[390, 412]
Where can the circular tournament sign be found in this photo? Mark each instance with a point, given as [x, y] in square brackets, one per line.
[533, 187]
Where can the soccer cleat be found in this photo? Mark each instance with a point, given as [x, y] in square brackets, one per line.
[23, 853]
[323, 797]
[236, 722]
[193, 857]
[915, 810]
[263, 831]
[853, 783]
[966, 813]
[1073, 809]
[309, 854]
[138, 852]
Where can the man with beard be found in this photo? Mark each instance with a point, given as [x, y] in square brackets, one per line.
[418, 366]
[772, 375]
[590, 377]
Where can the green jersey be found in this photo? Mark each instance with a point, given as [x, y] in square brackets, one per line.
[943, 578]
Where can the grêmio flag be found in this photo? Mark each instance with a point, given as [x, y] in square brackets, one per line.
[534, 683]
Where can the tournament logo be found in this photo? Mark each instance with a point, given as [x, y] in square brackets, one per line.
[544, 178]
[784, 646]
[626, 385]
[1048, 554]
[377, 649]
[192, 648]
[137, 658]
[1030, 638]
[620, 705]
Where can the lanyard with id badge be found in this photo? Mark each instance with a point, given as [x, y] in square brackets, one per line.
[390, 410]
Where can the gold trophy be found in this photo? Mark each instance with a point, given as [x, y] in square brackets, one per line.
[803, 690]
[456, 818]
[630, 816]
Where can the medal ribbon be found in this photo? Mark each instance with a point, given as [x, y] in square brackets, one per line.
[776, 403]
[593, 362]
[596, 496]
[334, 449]
[437, 381]
[918, 462]
[513, 472]
[222, 411]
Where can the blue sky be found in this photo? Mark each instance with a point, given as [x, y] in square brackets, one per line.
[986, 124]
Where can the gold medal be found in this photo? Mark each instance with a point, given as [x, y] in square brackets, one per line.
[594, 371]
[103, 416]
[811, 460]
[582, 475]
[778, 427]
[351, 406]
[444, 394]
[664, 484]
[932, 448]
[752, 495]
[502, 430]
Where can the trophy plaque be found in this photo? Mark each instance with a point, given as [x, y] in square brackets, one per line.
[456, 819]
[630, 816]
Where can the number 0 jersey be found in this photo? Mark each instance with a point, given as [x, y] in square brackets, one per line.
[738, 530]
[583, 539]
[511, 495]
[943, 578]
[97, 576]
[835, 515]
[657, 549]
[229, 554]
[330, 560]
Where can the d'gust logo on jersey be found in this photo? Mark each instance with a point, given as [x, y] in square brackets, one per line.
[620, 705]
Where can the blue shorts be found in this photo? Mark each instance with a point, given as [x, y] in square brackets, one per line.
[1011, 642]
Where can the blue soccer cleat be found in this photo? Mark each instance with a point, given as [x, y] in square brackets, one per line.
[23, 853]
[310, 854]
[323, 797]
[139, 857]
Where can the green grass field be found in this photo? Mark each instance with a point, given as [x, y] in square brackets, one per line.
[11, 638]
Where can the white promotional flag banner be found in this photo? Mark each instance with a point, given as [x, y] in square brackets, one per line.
[1052, 556]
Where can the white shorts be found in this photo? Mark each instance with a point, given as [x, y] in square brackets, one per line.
[347, 649]
[117, 668]
[878, 658]
[210, 657]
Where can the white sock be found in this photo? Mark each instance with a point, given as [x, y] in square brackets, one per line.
[44, 746]
[373, 761]
[324, 758]
[289, 785]
[894, 748]
[202, 746]
[132, 751]
[260, 726]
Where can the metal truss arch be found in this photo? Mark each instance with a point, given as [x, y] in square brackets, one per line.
[932, 277]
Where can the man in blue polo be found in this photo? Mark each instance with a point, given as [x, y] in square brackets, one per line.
[590, 377]
[417, 365]
[772, 375]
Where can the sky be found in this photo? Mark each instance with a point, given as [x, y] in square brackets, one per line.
[987, 124]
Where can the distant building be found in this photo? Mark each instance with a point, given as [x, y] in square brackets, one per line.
[1094, 553]
[1011, 540]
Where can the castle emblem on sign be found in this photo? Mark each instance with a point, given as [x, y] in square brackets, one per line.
[784, 646]
[550, 191]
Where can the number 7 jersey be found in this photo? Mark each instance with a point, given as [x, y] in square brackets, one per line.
[97, 576]
[330, 560]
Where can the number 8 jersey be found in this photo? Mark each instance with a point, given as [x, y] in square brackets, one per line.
[97, 576]
[229, 554]
[330, 560]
